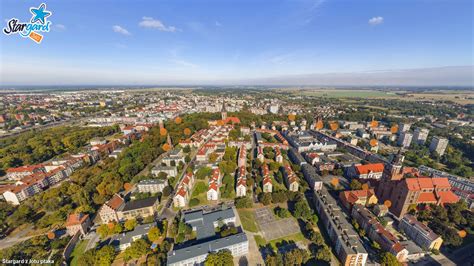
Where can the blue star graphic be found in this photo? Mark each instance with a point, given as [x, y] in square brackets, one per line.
[39, 13]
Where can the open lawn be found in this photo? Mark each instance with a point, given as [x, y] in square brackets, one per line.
[78, 250]
[260, 240]
[247, 218]
[349, 93]
[295, 238]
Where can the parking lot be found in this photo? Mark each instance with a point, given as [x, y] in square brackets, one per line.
[272, 228]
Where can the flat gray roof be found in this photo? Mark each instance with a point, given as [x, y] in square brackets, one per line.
[204, 248]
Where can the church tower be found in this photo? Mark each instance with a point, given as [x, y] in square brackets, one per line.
[168, 140]
[223, 111]
[392, 172]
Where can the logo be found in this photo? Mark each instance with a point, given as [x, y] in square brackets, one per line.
[38, 23]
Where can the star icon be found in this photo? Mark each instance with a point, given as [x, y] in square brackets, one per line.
[39, 13]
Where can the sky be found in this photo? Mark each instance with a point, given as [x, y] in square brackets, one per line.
[306, 42]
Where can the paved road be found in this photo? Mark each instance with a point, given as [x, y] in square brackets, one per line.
[20, 237]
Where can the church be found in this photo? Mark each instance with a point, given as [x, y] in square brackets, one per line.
[224, 118]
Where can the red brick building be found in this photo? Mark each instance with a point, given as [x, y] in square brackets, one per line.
[413, 191]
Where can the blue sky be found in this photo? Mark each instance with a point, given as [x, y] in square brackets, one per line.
[207, 42]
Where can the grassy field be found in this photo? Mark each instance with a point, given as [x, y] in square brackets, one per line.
[457, 96]
[78, 250]
[348, 93]
[247, 218]
[295, 238]
[260, 240]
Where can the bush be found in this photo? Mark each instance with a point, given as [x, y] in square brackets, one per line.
[243, 202]
[282, 213]
[194, 202]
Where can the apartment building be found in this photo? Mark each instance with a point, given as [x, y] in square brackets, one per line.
[151, 185]
[366, 171]
[346, 242]
[420, 233]
[377, 233]
[439, 145]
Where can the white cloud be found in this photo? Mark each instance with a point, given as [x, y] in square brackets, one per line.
[183, 63]
[59, 27]
[120, 30]
[376, 20]
[149, 22]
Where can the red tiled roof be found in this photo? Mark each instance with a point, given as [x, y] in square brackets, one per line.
[353, 195]
[115, 202]
[267, 181]
[213, 186]
[441, 182]
[374, 167]
[182, 192]
[427, 197]
[447, 197]
[76, 218]
[427, 183]
[232, 120]
[26, 168]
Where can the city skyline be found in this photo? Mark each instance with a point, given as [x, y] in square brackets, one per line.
[321, 42]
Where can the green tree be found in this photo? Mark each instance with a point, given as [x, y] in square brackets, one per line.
[103, 231]
[323, 253]
[137, 249]
[221, 258]
[388, 259]
[265, 198]
[194, 202]
[302, 210]
[130, 224]
[154, 234]
[355, 184]
[243, 202]
[203, 172]
[105, 255]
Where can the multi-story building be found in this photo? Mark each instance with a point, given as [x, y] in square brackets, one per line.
[291, 179]
[152, 185]
[241, 184]
[346, 242]
[108, 211]
[124, 240]
[212, 192]
[260, 155]
[420, 135]
[267, 185]
[366, 171]
[364, 197]
[184, 189]
[413, 191]
[169, 170]
[22, 171]
[314, 180]
[403, 127]
[377, 233]
[77, 222]
[439, 145]
[141, 208]
[421, 234]
[204, 225]
[404, 139]
[242, 161]
[278, 156]
[117, 209]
